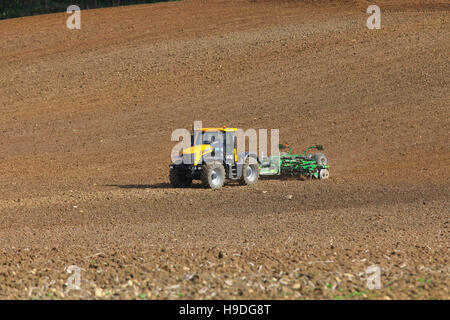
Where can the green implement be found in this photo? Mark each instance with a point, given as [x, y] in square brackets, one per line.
[288, 164]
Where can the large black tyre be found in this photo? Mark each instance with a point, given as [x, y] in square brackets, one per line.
[321, 159]
[178, 179]
[250, 173]
[213, 175]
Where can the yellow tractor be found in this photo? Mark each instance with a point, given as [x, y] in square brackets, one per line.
[212, 158]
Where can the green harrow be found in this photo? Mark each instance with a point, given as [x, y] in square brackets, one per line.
[288, 164]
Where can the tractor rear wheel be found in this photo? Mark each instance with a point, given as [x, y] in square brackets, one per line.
[250, 173]
[213, 175]
[178, 179]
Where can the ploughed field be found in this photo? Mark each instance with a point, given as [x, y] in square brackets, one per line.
[85, 125]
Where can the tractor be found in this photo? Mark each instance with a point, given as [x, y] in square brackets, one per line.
[212, 158]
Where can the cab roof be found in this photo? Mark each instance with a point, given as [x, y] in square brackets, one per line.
[224, 129]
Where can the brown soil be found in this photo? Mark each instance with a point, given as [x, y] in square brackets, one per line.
[85, 124]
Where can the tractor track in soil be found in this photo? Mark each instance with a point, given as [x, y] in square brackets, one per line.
[85, 125]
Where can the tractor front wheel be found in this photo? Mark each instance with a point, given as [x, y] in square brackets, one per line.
[178, 179]
[213, 175]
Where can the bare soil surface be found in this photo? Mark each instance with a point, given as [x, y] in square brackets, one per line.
[85, 125]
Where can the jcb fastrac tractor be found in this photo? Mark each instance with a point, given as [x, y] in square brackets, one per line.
[212, 158]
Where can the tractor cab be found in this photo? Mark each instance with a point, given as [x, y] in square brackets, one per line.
[218, 144]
